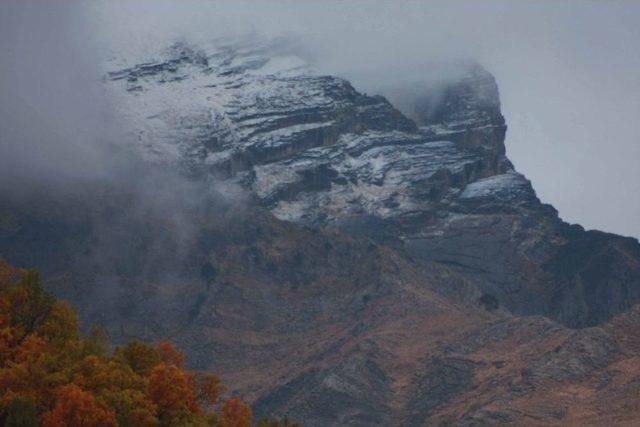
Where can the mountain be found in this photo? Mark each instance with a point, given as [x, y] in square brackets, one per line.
[375, 269]
[314, 151]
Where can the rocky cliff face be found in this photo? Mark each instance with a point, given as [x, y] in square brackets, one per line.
[314, 151]
[382, 271]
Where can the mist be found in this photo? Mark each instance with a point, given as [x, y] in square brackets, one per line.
[53, 118]
[567, 73]
[74, 195]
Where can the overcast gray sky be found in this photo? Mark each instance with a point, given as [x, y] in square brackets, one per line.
[568, 71]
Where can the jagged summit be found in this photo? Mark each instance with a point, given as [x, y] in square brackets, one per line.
[262, 116]
[313, 150]
[229, 108]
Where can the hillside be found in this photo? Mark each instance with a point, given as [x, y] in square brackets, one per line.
[370, 269]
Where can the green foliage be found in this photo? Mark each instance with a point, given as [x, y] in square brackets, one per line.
[31, 305]
[21, 413]
[140, 356]
[95, 343]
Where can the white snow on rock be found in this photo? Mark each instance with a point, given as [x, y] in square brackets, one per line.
[508, 185]
[309, 146]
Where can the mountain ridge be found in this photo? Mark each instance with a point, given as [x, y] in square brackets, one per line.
[315, 151]
[381, 271]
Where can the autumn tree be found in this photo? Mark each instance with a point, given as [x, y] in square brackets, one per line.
[30, 307]
[51, 375]
[77, 408]
[236, 413]
[169, 354]
[172, 389]
[140, 356]
[96, 342]
[210, 388]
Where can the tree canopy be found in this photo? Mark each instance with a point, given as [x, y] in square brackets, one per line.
[51, 375]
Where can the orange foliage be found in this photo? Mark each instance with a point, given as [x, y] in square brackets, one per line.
[210, 388]
[236, 413]
[72, 381]
[170, 355]
[77, 408]
[170, 387]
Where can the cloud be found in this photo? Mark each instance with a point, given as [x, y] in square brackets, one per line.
[68, 180]
[52, 113]
[567, 74]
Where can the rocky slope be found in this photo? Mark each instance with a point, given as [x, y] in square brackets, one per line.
[381, 271]
[327, 328]
[315, 151]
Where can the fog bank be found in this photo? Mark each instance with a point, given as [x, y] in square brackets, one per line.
[567, 72]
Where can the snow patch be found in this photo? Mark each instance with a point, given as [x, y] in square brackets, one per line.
[507, 185]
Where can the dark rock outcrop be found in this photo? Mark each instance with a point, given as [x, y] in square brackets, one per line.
[315, 151]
